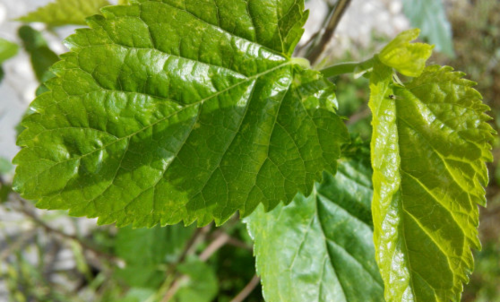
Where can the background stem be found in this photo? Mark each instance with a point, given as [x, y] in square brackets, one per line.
[319, 45]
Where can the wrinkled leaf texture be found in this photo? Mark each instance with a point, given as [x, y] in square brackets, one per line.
[180, 110]
[320, 248]
[429, 148]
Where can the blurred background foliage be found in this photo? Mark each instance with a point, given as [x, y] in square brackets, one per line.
[48, 256]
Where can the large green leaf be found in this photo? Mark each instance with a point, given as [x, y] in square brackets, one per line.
[430, 17]
[65, 12]
[320, 248]
[180, 110]
[429, 147]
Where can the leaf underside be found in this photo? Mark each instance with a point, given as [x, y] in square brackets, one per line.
[65, 12]
[320, 248]
[429, 147]
[180, 110]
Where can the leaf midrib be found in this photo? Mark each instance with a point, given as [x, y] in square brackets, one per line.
[249, 79]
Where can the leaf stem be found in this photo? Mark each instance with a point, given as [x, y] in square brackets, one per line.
[349, 67]
[318, 47]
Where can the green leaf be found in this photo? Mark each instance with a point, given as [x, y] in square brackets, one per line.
[407, 58]
[5, 166]
[7, 50]
[430, 17]
[179, 110]
[199, 286]
[42, 57]
[320, 248]
[65, 12]
[429, 147]
[5, 191]
[136, 295]
[145, 250]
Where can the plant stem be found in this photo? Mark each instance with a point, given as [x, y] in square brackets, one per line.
[113, 259]
[247, 290]
[221, 239]
[318, 48]
[349, 67]
[214, 246]
[191, 244]
[361, 114]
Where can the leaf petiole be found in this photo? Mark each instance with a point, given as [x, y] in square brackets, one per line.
[350, 67]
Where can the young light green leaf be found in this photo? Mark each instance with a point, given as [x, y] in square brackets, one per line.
[7, 50]
[407, 58]
[430, 17]
[429, 147]
[320, 248]
[180, 110]
[65, 12]
[42, 57]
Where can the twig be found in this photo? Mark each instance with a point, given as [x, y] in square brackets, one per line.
[189, 247]
[191, 244]
[83, 244]
[16, 245]
[356, 117]
[232, 241]
[247, 290]
[213, 247]
[318, 48]
[238, 243]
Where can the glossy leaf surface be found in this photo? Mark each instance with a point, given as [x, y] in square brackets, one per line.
[180, 110]
[65, 12]
[320, 248]
[429, 147]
